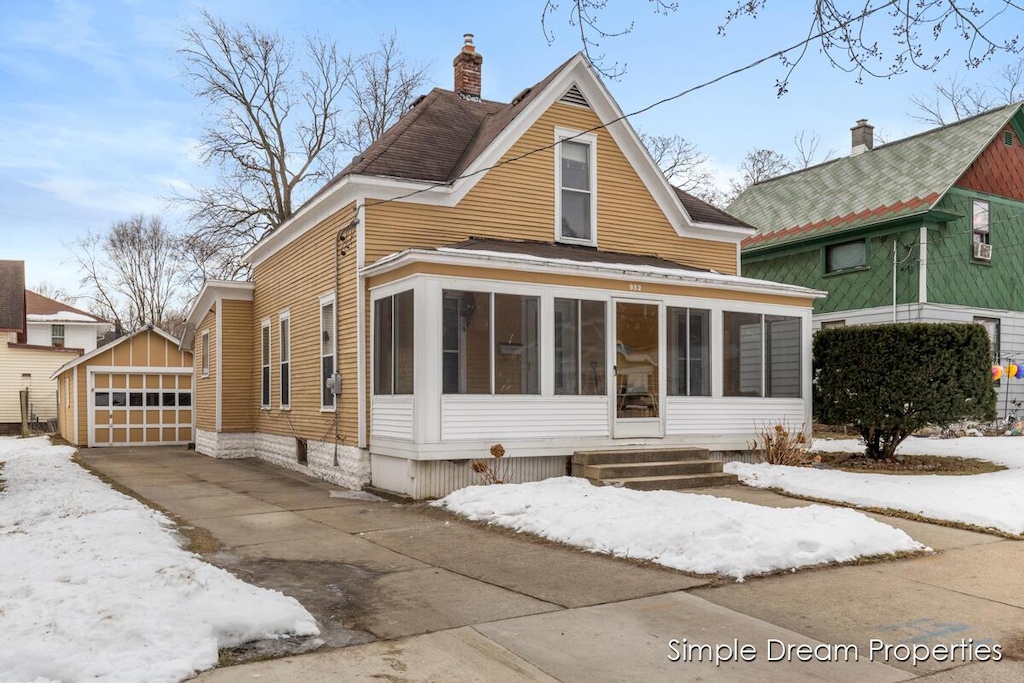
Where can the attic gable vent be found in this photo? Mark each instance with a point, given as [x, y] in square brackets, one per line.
[574, 96]
[1008, 138]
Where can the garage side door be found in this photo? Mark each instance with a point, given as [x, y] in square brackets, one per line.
[134, 408]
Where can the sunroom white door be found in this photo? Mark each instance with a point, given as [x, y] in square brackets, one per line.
[638, 405]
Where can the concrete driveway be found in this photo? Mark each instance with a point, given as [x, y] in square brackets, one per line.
[422, 596]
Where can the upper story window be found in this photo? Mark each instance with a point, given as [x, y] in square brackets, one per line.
[846, 256]
[981, 235]
[57, 336]
[576, 205]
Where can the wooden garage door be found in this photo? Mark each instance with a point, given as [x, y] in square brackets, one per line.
[136, 408]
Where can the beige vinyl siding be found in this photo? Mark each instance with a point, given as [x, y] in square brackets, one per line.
[238, 409]
[39, 364]
[295, 278]
[517, 201]
[206, 387]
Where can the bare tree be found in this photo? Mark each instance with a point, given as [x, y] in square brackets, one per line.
[856, 36]
[381, 86]
[957, 98]
[807, 144]
[52, 291]
[683, 164]
[271, 126]
[757, 166]
[132, 274]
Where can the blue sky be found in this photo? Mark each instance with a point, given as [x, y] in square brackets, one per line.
[96, 124]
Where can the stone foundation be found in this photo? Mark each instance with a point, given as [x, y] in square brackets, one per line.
[224, 444]
[352, 470]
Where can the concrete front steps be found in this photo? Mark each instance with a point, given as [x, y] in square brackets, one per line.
[648, 469]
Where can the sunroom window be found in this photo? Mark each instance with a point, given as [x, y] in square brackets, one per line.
[761, 355]
[580, 353]
[490, 343]
[576, 219]
[689, 349]
[393, 344]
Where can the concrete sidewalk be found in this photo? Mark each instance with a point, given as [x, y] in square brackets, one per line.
[422, 596]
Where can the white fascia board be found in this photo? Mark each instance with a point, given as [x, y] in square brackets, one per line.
[211, 292]
[352, 188]
[561, 266]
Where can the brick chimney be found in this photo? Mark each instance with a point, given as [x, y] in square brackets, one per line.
[863, 137]
[467, 70]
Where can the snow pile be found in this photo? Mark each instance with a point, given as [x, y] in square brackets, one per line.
[93, 584]
[992, 500]
[65, 316]
[691, 532]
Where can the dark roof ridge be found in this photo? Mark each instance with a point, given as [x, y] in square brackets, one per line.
[892, 144]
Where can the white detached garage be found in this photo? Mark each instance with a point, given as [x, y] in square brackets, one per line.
[134, 391]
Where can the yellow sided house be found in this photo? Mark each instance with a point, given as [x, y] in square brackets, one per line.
[134, 391]
[518, 273]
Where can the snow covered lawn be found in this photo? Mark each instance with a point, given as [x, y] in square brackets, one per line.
[93, 584]
[994, 500]
[687, 531]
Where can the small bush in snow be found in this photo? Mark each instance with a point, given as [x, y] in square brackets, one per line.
[498, 470]
[779, 444]
[888, 381]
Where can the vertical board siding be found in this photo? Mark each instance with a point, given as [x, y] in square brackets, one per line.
[392, 417]
[517, 201]
[503, 417]
[440, 477]
[206, 387]
[295, 278]
[238, 408]
[730, 416]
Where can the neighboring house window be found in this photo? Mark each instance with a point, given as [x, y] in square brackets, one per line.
[576, 201]
[689, 349]
[57, 336]
[490, 343]
[265, 373]
[761, 355]
[981, 235]
[991, 326]
[204, 355]
[328, 329]
[393, 344]
[833, 324]
[846, 256]
[285, 353]
[580, 353]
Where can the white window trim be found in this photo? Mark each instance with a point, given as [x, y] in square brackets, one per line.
[204, 352]
[63, 334]
[281, 317]
[590, 139]
[265, 363]
[324, 301]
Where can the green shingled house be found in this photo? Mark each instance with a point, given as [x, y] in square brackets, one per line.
[926, 229]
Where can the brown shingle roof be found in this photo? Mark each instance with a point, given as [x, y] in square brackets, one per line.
[37, 304]
[442, 134]
[12, 296]
[569, 252]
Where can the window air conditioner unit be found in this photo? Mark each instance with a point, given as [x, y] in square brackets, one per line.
[982, 251]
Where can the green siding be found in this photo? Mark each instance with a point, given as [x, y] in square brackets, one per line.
[955, 278]
[867, 288]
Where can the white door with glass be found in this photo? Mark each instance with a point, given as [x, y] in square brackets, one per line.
[637, 401]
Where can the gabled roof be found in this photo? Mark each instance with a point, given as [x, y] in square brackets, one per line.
[106, 347]
[444, 144]
[39, 308]
[900, 179]
[12, 296]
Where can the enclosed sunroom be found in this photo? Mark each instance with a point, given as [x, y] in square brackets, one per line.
[550, 349]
